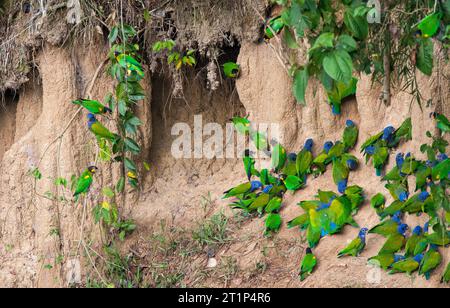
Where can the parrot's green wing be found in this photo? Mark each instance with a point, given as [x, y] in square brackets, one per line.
[308, 264]
[301, 221]
[371, 141]
[340, 171]
[350, 137]
[385, 229]
[395, 207]
[336, 151]
[101, 131]
[393, 244]
[293, 183]
[446, 275]
[380, 157]
[441, 171]
[273, 222]
[309, 205]
[260, 202]
[275, 26]
[242, 125]
[238, 190]
[383, 261]
[274, 205]
[83, 183]
[404, 132]
[393, 175]
[422, 174]
[430, 262]
[378, 201]
[443, 123]
[93, 106]
[304, 162]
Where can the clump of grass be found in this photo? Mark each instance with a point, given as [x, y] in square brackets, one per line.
[213, 231]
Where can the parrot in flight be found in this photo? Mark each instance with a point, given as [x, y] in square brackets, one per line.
[309, 262]
[93, 106]
[84, 182]
[99, 130]
[356, 246]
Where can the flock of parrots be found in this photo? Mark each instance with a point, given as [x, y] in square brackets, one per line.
[331, 212]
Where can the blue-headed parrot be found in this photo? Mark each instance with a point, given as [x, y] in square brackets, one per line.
[243, 189]
[408, 266]
[356, 246]
[350, 137]
[431, 260]
[99, 130]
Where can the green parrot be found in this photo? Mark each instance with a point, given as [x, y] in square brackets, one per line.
[308, 265]
[380, 158]
[431, 260]
[85, 181]
[279, 157]
[336, 151]
[242, 125]
[441, 170]
[395, 242]
[371, 141]
[378, 203]
[99, 130]
[388, 227]
[393, 176]
[350, 137]
[242, 189]
[130, 64]
[410, 166]
[305, 159]
[408, 266]
[412, 242]
[274, 27]
[273, 223]
[274, 204]
[309, 205]
[356, 246]
[340, 213]
[446, 275]
[93, 106]
[416, 203]
[398, 191]
[322, 160]
[385, 261]
[356, 196]
[442, 122]
[326, 196]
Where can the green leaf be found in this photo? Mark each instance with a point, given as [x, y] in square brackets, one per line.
[129, 164]
[347, 43]
[425, 56]
[113, 35]
[289, 39]
[36, 174]
[338, 64]
[357, 24]
[300, 84]
[131, 145]
[120, 185]
[325, 40]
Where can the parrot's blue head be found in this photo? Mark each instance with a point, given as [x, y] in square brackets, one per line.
[352, 164]
[402, 229]
[400, 160]
[309, 144]
[426, 227]
[398, 258]
[387, 133]
[255, 185]
[342, 186]
[404, 195]
[370, 150]
[292, 157]
[91, 117]
[430, 164]
[408, 155]
[418, 258]
[417, 230]
[362, 233]
[397, 217]
[349, 123]
[441, 157]
[327, 146]
[267, 189]
[423, 196]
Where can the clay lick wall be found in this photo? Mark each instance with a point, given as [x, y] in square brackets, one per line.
[8, 109]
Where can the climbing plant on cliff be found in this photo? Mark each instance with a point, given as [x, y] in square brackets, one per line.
[349, 37]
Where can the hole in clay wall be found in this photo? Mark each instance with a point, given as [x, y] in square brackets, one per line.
[8, 108]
